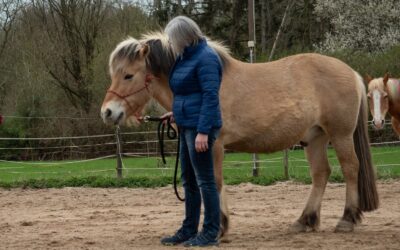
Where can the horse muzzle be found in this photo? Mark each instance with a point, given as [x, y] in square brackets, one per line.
[113, 113]
[378, 124]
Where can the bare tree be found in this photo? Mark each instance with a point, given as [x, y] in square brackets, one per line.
[263, 26]
[72, 27]
[8, 13]
[237, 14]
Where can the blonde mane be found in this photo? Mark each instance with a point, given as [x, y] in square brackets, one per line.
[161, 56]
[156, 35]
[222, 51]
[394, 88]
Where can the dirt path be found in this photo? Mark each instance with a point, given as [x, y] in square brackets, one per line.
[88, 218]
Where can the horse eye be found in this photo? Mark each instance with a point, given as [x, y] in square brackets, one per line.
[128, 77]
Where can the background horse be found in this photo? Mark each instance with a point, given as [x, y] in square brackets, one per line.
[383, 97]
[266, 107]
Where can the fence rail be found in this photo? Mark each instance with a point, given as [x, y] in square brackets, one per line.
[115, 147]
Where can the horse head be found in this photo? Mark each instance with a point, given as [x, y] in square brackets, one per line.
[138, 70]
[378, 99]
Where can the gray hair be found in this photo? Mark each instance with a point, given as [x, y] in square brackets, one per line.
[182, 31]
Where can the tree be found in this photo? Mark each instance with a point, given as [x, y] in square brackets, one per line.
[8, 13]
[367, 25]
[72, 28]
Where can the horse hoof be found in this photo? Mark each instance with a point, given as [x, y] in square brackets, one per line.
[225, 239]
[344, 227]
[297, 227]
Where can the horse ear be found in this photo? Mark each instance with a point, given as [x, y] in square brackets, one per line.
[367, 78]
[144, 51]
[385, 79]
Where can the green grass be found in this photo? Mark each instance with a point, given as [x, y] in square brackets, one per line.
[148, 172]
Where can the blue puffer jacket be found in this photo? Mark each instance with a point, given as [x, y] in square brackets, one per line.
[195, 80]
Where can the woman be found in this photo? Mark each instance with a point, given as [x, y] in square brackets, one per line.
[195, 81]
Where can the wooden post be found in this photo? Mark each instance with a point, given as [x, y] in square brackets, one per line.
[119, 152]
[251, 44]
[252, 36]
[286, 163]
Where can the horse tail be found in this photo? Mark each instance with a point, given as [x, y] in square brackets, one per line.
[367, 191]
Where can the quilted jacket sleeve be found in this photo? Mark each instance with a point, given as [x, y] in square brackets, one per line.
[209, 73]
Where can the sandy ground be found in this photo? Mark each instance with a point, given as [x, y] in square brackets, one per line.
[88, 218]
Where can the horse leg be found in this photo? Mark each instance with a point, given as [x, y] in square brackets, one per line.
[316, 153]
[218, 154]
[349, 163]
[396, 126]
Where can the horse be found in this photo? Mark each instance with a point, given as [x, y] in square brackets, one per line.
[384, 97]
[266, 107]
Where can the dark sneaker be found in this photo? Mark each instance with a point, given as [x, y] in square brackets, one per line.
[200, 241]
[175, 239]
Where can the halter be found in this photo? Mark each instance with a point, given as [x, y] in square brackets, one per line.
[147, 81]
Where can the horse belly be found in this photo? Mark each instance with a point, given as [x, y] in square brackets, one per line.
[270, 141]
[260, 145]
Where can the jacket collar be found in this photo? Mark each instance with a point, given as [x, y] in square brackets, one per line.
[192, 49]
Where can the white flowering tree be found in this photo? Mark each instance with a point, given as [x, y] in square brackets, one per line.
[368, 25]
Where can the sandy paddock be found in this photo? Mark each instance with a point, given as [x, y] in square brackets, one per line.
[89, 218]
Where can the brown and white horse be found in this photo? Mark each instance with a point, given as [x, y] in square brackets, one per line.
[266, 107]
[384, 97]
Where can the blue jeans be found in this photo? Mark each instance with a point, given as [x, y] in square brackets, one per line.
[199, 183]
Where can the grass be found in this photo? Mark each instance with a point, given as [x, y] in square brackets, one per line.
[147, 172]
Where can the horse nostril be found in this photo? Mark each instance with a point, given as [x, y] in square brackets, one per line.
[383, 122]
[108, 113]
[373, 122]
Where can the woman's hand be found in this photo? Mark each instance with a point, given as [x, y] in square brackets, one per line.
[201, 142]
[168, 115]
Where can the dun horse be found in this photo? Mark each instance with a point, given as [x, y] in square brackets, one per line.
[384, 97]
[266, 107]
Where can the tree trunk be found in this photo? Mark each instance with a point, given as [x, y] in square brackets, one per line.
[263, 26]
[237, 13]
[179, 9]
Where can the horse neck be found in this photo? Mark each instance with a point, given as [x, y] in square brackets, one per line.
[394, 97]
[162, 93]
[394, 109]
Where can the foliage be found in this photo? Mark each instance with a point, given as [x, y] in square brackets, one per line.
[375, 64]
[54, 53]
[367, 25]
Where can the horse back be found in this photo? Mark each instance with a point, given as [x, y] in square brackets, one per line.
[277, 103]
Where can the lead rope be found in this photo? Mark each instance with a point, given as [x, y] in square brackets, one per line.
[171, 134]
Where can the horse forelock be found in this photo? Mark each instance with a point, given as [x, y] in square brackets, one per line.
[376, 83]
[126, 51]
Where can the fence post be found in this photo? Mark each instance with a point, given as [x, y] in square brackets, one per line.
[255, 165]
[251, 45]
[286, 163]
[119, 152]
